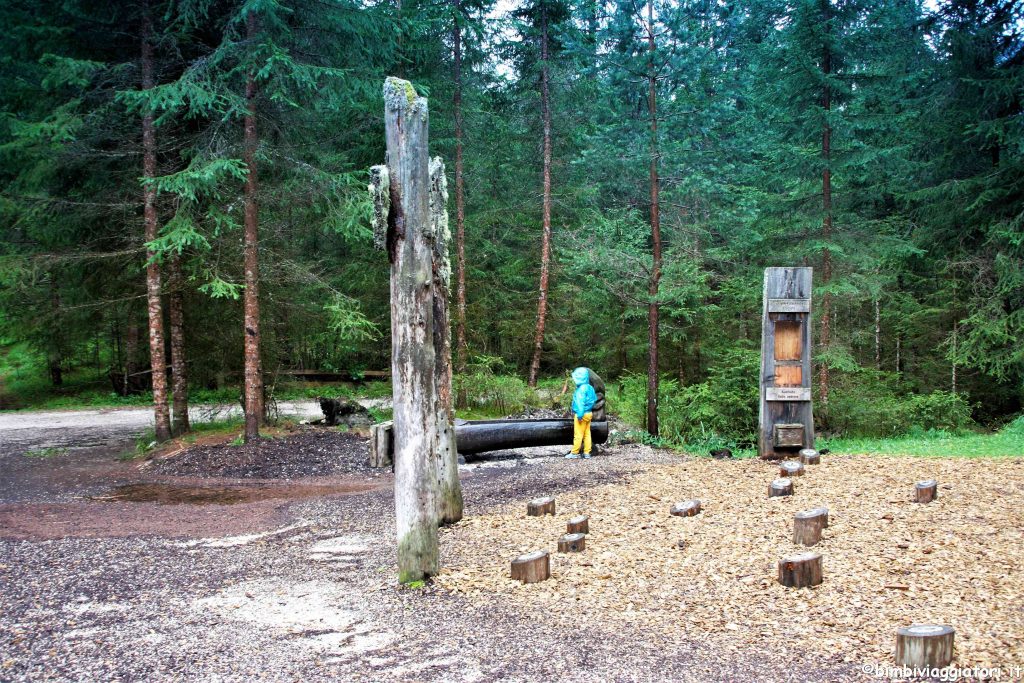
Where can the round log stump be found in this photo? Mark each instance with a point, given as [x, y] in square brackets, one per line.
[791, 468]
[781, 487]
[578, 525]
[572, 543]
[800, 570]
[809, 456]
[687, 508]
[807, 526]
[539, 507]
[924, 646]
[926, 491]
[532, 567]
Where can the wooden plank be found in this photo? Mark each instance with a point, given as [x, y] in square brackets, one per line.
[788, 375]
[787, 394]
[787, 340]
[789, 305]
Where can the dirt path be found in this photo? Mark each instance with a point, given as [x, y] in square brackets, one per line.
[298, 589]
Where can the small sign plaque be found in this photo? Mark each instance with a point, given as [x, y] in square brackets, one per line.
[787, 394]
[789, 305]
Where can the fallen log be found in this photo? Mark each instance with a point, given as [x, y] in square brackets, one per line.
[924, 646]
[480, 436]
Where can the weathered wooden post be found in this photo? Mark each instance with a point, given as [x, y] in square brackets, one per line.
[402, 225]
[449, 494]
[786, 420]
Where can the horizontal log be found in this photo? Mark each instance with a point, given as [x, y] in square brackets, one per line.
[480, 436]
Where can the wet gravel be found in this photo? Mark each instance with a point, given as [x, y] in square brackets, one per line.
[308, 452]
[314, 598]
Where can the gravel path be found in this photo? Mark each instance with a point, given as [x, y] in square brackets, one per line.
[304, 591]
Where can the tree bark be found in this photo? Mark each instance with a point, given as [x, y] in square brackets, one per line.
[578, 525]
[926, 491]
[807, 526]
[800, 570]
[406, 128]
[460, 200]
[924, 646]
[538, 507]
[545, 242]
[572, 543]
[878, 335]
[253, 366]
[532, 567]
[179, 371]
[652, 307]
[449, 494]
[158, 361]
[826, 198]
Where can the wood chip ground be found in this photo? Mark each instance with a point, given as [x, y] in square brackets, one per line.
[888, 562]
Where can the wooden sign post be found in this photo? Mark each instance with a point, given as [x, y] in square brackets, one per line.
[786, 422]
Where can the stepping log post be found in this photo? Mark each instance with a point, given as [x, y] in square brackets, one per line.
[381, 445]
[800, 570]
[924, 646]
[926, 491]
[687, 508]
[578, 525]
[532, 567]
[781, 487]
[538, 507]
[807, 526]
[572, 543]
[809, 456]
[791, 468]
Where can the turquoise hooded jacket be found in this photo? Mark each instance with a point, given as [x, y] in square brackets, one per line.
[584, 398]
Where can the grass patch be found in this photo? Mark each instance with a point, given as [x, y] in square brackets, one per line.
[46, 452]
[1006, 443]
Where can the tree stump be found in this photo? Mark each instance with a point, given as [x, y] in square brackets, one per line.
[926, 491]
[381, 448]
[578, 525]
[800, 570]
[532, 567]
[924, 646]
[809, 456]
[791, 468]
[687, 508]
[807, 526]
[781, 487]
[539, 507]
[572, 543]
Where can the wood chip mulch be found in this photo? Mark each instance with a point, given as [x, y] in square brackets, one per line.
[888, 562]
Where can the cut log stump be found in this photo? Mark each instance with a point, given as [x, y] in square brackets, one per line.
[926, 491]
[809, 456]
[807, 526]
[578, 525]
[687, 508]
[924, 646]
[781, 487]
[791, 468]
[572, 543]
[538, 507]
[800, 570]
[532, 567]
[381, 445]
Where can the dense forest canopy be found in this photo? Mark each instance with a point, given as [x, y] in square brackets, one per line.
[651, 159]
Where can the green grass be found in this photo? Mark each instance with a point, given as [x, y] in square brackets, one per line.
[1006, 443]
[46, 452]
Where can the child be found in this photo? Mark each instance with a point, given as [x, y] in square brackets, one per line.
[583, 400]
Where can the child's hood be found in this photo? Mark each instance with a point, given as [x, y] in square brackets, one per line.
[581, 376]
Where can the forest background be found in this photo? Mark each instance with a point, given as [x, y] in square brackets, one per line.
[183, 186]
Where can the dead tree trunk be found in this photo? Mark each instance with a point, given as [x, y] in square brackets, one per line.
[652, 306]
[402, 202]
[179, 372]
[158, 361]
[449, 493]
[253, 368]
[460, 198]
[545, 241]
[826, 201]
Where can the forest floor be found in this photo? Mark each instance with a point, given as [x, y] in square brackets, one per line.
[277, 561]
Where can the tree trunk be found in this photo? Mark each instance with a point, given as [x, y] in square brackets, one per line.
[158, 361]
[878, 335]
[179, 372]
[652, 307]
[253, 368]
[412, 321]
[449, 495]
[460, 200]
[545, 242]
[826, 198]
